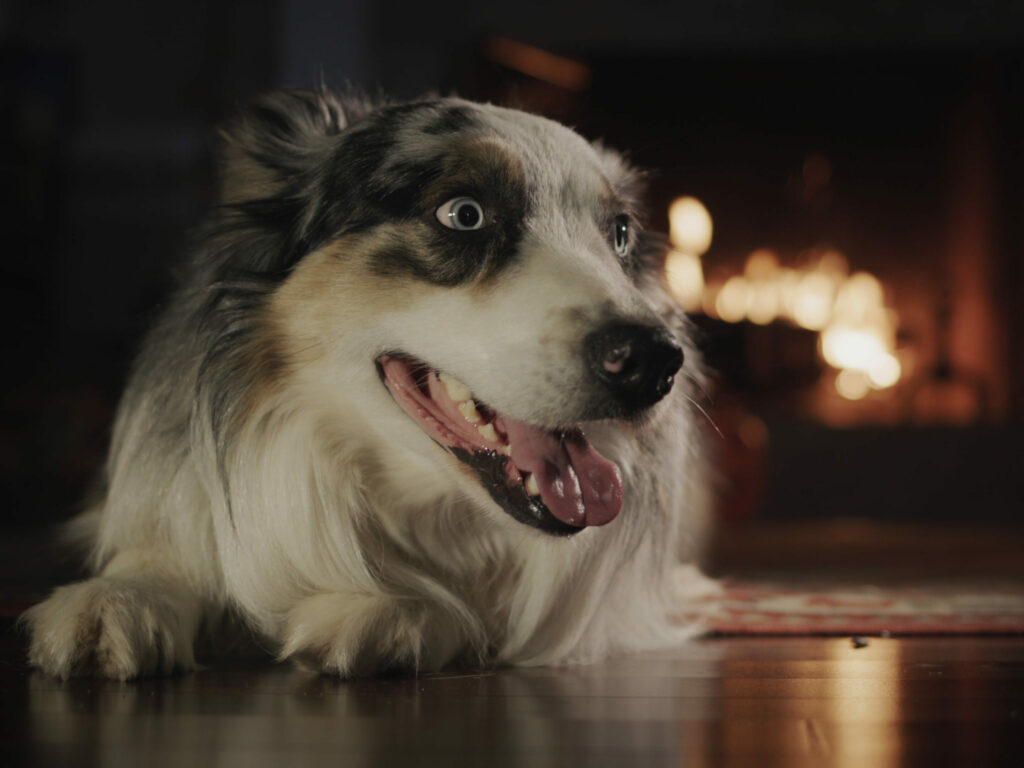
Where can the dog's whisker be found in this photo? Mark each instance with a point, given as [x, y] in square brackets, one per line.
[698, 382]
[706, 415]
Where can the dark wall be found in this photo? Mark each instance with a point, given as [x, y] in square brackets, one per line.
[106, 161]
[108, 108]
[408, 47]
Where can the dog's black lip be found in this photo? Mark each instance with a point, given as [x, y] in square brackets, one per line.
[490, 468]
[380, 368]
[517, 503]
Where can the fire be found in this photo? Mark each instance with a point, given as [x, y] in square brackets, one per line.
[690, 231]
[690, 226]
[857, 330]
[685, 278]
[731, 302]
[811, 304]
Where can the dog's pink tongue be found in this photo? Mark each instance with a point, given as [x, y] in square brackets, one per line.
[579, 485]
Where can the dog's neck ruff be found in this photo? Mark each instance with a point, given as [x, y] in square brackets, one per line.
[533, 473]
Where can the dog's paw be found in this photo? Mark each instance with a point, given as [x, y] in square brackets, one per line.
[113, 627]
[354, 635]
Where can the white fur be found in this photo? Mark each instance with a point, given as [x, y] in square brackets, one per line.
[349, 539]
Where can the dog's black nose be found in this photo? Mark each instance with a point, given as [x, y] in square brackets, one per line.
[637, 363]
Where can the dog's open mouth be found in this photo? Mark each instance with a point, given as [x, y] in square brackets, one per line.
[550, 479]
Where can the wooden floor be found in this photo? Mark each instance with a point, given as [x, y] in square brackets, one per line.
[731, 702]
[715, 702]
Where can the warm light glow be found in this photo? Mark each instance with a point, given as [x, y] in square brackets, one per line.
[707, 301]
[690, 225]
[812, 301]
[852, 384]
[787, 286]
[763, 302]
[549, 67]
[752, 432]
[685, 279]
[858, 296]
[857, 332]
[762, 264]
[731, 302]
[846, 347]
[763, 294]
[861, 697]
[884, 371]
[861, 336]
[834, 264]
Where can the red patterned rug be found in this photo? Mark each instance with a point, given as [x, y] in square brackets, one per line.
[747, 608]
[763, 609]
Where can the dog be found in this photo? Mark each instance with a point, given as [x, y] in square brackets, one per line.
[421, 400]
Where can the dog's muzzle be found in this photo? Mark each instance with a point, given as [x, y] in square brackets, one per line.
[636, 364]
[551, 479]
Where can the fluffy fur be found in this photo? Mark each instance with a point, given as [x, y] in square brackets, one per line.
[259, 467]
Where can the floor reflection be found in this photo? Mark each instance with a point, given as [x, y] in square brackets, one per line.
[782, 706]
[728, 702]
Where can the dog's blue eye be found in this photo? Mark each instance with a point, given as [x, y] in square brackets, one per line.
[461, 213]
[622, 235]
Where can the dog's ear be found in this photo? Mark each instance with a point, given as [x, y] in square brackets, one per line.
[276, 138]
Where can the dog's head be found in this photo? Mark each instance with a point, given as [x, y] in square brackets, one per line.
[467, 278]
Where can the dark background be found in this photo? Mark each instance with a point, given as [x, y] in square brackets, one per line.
[108, 112]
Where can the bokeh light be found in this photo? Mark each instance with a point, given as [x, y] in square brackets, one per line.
[685, 279]
[852, 384]
[690, 226]
[731, 303]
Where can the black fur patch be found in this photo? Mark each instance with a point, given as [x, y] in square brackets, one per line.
[397, 191]
[492, 177]
[338, 179]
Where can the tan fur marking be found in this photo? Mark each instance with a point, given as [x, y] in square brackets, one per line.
[482, 158]
[333, 288]
[267, 367]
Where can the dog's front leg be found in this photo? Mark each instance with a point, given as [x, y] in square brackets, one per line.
[138, 617]
[354, 634]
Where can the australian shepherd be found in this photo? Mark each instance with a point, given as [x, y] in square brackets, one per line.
[421, 399]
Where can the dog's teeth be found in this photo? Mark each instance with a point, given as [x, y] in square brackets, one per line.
[469, 411]
[488, 433]
[506, 450]
[531, 485]
[457, 391]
